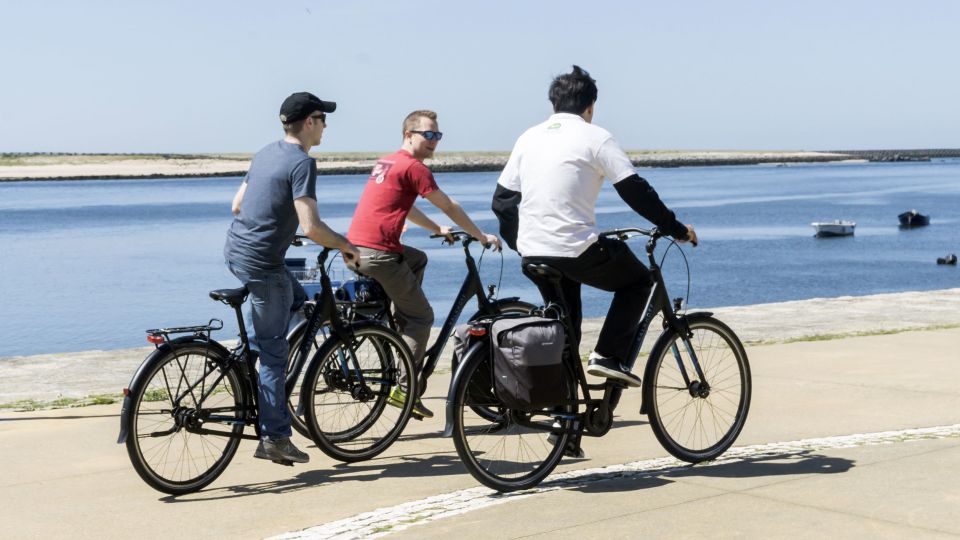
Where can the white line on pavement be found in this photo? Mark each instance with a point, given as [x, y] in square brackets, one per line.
[383, 521]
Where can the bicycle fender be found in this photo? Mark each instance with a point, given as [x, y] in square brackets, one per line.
[665, 337]
[293, 331]
[137, 380]
[474, 354]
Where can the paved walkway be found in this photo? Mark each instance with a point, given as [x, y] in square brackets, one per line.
[847, 437]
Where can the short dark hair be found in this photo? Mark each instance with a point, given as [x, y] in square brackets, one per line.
[294, 127]
[573, 92]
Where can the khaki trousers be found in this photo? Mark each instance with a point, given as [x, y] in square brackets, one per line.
[401, 276]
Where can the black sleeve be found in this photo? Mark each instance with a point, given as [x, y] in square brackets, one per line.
[506, 206]
[643, 199]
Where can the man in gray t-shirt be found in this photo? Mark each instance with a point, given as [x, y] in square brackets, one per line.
[278, 194]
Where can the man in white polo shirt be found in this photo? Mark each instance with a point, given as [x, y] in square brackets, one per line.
[545, 201]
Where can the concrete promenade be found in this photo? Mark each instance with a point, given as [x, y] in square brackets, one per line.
[852, 436]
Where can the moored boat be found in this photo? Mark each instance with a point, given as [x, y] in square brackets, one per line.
[911, 219]
[826, 229]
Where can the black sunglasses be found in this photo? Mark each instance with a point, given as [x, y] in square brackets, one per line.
[429, 135]
[321, 117]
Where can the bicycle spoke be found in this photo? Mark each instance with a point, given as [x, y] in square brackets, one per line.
[704, 419]
[165, 452]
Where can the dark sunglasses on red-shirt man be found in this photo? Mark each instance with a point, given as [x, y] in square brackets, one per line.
[429, 135]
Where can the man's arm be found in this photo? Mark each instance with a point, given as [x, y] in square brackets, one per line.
[238, 198]
[319, 232]
[506, 206]
[643, 199]
[419, 218]
[455, 212]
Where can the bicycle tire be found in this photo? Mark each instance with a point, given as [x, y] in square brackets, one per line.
[350, 421]
[494, 451]
[293, 400]
[679, 418]
[178, 459]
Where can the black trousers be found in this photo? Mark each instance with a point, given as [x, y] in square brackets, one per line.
[608, 265]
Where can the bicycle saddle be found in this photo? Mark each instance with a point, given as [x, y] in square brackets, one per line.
[543, 271]
[234, 297]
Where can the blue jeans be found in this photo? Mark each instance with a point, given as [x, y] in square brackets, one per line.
[274, 297]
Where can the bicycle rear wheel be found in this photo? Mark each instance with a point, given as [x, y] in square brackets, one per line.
[695, 422]
[504, 449]
[186, 420]
[347, 392]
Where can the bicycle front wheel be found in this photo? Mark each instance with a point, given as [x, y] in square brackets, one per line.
[698, 420]
[186, 420]
[293, 370]
[504, 449]
[356, 392]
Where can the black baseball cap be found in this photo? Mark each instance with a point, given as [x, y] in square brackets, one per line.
[301, 105]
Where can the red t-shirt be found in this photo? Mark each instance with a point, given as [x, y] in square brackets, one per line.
[391, 190]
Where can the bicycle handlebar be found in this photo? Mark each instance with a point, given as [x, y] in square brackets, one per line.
[457, 235]
[460, 236]
[626, 233]
[623, 234]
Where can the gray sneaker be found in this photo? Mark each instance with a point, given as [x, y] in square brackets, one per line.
[280, 451]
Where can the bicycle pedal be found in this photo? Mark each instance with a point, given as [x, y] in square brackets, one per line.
[416, 416]
[286, 462]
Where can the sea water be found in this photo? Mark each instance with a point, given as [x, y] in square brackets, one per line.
[90, 264]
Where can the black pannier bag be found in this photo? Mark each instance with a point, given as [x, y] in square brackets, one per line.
[480, 391]
[528, 362]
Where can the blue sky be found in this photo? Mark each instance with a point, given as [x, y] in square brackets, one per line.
[209, 76]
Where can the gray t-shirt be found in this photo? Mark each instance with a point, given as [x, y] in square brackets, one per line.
[260, 234]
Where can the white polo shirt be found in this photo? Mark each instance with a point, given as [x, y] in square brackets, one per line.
[558, 167]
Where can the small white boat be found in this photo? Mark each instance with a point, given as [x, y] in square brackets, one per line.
[834, 228]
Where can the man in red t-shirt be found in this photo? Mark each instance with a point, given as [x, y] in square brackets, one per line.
[384, 207]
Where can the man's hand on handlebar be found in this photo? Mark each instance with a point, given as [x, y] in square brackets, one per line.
[691, 236]
[491, 240]
[351, 255]
[445, 232]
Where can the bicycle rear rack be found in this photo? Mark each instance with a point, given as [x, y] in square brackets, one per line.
[159, 336]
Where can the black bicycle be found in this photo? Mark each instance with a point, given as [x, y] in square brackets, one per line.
[696, 392]
[355, 300]
[186, 407]
[488, 305]
[368, 302]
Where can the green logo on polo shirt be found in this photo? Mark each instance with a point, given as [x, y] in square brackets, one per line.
[554, 126]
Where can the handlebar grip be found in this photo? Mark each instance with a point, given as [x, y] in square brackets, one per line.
[455, 234]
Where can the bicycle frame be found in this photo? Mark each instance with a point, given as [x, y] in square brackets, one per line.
[472, 286]
[239, 357]
[325, 313]
[599, 414]
[659, 302]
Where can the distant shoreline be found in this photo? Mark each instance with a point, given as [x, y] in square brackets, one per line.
[57, 167]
